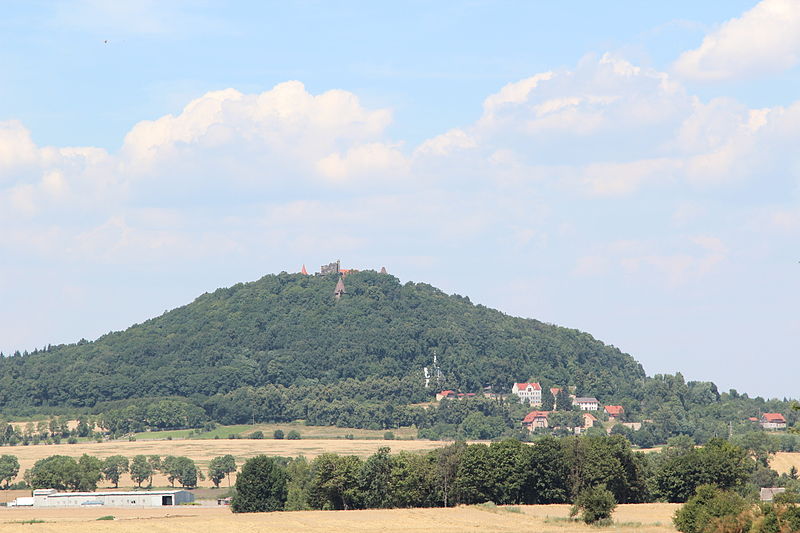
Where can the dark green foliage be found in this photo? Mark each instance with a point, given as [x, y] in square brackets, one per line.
[260, 486]
[718, 463]
[595, 504]
[114, 467]
[221, 467]
[140, 470]
[711, 506]
[277, 434]
[287, 330]
[257, 435]
[9, 468]
[293, 435]
[180, 469]
[65, 473]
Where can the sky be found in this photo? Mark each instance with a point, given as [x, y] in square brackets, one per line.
[630, 169]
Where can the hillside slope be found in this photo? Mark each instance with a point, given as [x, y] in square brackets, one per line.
[288, 329]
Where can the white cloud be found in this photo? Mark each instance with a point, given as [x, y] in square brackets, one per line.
[764, 39]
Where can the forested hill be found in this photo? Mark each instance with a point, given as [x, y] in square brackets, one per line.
[288, 329]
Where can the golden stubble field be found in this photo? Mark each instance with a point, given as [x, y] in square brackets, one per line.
[649, 518]
[202, 451]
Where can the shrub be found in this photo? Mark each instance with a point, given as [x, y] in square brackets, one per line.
[257, 435]
[107, 517]
[595, 505]
[712, 507]
[73, 440]
[293, 435]
[278, 434]
[388, 435]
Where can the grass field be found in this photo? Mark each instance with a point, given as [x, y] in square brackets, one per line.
[202, 451]
[651, 518]
[308, 432]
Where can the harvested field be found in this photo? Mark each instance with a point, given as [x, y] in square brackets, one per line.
[652, 518]
[783, 461]
[202, 451]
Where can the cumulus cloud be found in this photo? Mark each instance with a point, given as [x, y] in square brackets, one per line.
[764, 39]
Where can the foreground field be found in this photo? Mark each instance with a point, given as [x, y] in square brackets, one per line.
[652, 518]
[202, 451]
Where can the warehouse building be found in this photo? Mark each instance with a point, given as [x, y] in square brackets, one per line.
[142, 498]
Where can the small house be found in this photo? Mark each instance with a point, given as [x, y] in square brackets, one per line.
[535, 419]
[586, 403]
[615, 412]
[772, 421]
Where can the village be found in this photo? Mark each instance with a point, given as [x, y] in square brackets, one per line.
[588, 406]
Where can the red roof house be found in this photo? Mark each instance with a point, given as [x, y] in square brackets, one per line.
[535, 419]
[615, 411]
[772, 421]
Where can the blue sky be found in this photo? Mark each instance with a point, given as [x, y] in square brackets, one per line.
[629, 169]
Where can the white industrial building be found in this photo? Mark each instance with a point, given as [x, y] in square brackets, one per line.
[141, 498]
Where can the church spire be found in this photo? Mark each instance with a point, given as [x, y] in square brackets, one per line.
[303, 270]
[339, 290]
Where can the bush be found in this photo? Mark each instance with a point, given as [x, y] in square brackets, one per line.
[278, 434]
[388, 435]
[107, 517]
[712, 507]
[595, 505]
[293, 435]
[73, 440]
[257, 435]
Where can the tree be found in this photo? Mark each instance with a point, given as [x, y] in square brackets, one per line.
[563, 401]
[595, 505]
[334, 482]
[277, 434]
[90, 471]
[548, 400]
[114, 467]
[293, 435]
[375, 480]
[181, 469]
[55, 472]
[220, 467]
[9, 468]
[260, 487]
[140, 470]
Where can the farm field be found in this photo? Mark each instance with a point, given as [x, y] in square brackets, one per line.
[783, 461]
[306, 432]
[652, 518]
[202, 451]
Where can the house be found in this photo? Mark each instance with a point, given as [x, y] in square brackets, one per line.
[615, 412]
[453, 395]
[589, 420]
[768, 493]
[586, 403]
[535, 419]
[772, 421]
[528, 392]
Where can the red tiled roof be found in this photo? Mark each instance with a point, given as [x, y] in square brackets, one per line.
[753, 419]
[535, 386]
[554, 390]
[614, 409]
[533, 415]
[774, 417]
[589, 415]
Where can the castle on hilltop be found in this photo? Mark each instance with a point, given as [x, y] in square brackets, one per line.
[336, 268]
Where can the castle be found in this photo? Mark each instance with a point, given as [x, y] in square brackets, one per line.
[336, 268]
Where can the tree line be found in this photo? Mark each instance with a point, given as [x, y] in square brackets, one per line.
[62, 472]
[550, 470]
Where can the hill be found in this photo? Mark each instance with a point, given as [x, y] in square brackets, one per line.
[288, 330]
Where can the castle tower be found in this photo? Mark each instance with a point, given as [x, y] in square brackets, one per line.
[339, 290]
[304, 271]
[383, 270]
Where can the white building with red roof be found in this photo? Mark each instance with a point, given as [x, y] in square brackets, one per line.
[772, 421]
[528, 392]
[615, 412]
